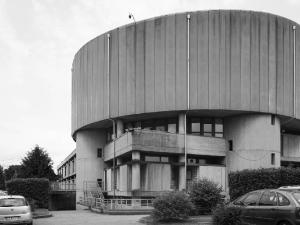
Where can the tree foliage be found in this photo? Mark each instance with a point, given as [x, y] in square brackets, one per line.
[205, 195]
[37, 164]
[13, 171]
[2, 180]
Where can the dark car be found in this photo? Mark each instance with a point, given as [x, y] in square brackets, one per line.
[269, 207]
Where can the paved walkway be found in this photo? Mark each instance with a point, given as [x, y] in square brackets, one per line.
[86, 217]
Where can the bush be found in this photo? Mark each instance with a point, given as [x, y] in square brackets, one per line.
[223, 215]
[172, 206]
[242, 182]
[35, 190]
[205, 195]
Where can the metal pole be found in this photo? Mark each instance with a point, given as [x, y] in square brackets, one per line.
[294, 69]
[188, 16]
[108, 74]
[114, 159]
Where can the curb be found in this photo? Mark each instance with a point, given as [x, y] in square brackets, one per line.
[42, 216]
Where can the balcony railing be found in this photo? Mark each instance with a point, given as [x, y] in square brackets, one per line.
[110, 204]
[164, 142]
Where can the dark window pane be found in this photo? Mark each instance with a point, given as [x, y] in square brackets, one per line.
[160, 128]
[207, 134]
[152, 158]
[207, 127]
[219, 128]
[268, 199]
[195, 127]
[220, 135]
[282, 200]
[252, 198]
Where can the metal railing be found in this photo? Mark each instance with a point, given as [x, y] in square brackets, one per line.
[110, 204]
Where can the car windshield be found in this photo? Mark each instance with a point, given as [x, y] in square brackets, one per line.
[12, 202]
[297, 196]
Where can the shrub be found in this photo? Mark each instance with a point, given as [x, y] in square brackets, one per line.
[223, 215]
[205, 195]
[35, 190]
[172, 206]
[244, 181]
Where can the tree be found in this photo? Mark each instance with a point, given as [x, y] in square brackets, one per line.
[13, 171]
[2, 180]
[37, 164]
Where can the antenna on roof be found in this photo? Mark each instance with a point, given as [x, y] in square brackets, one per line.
[131, 16]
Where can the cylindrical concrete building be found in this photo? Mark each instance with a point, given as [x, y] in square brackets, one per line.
[195, 94]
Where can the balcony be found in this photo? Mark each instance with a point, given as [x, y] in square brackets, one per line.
[164, 142]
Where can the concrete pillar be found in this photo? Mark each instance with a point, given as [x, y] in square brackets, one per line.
[120, 128]
[89, 167]
[136, 171]
[181, 123]
[182, 179]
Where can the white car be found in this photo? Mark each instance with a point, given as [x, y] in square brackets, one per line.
[14, 209]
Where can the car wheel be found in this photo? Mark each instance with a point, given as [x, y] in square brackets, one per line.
[284, 223]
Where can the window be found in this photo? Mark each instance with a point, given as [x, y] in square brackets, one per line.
[152, 158]
[147, 125]
[282, 200]
[99, 152]
[268, 199]
[172, 125]
[230, 147]
[160, 125]
[218, 127]
[207, 127]
[195, 126]
[273, 119]
[252, 198]
[272, 158]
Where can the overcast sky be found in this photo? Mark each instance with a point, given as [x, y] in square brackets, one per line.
[38, 40]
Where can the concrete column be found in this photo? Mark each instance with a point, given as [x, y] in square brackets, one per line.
[120, 128]
[181, 179]
[181, 123]
[89, 167]
[136, 171]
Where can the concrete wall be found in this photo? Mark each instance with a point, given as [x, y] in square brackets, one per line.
[162, 142]
[239, 60]
[88, 166]
[291, 145]
[216, 174]
[254, 139]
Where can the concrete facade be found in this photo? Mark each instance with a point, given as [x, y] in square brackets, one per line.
[239, 110]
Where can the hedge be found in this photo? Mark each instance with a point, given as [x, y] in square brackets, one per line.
[33, 189]
[244, 181]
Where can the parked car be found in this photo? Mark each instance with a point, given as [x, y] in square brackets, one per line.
[14, 209]
[269, 207]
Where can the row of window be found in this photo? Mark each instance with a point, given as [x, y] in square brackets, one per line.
[268, 198]
[210, 127]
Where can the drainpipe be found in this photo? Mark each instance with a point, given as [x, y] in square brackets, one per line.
[294, 69]
[188, 16]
